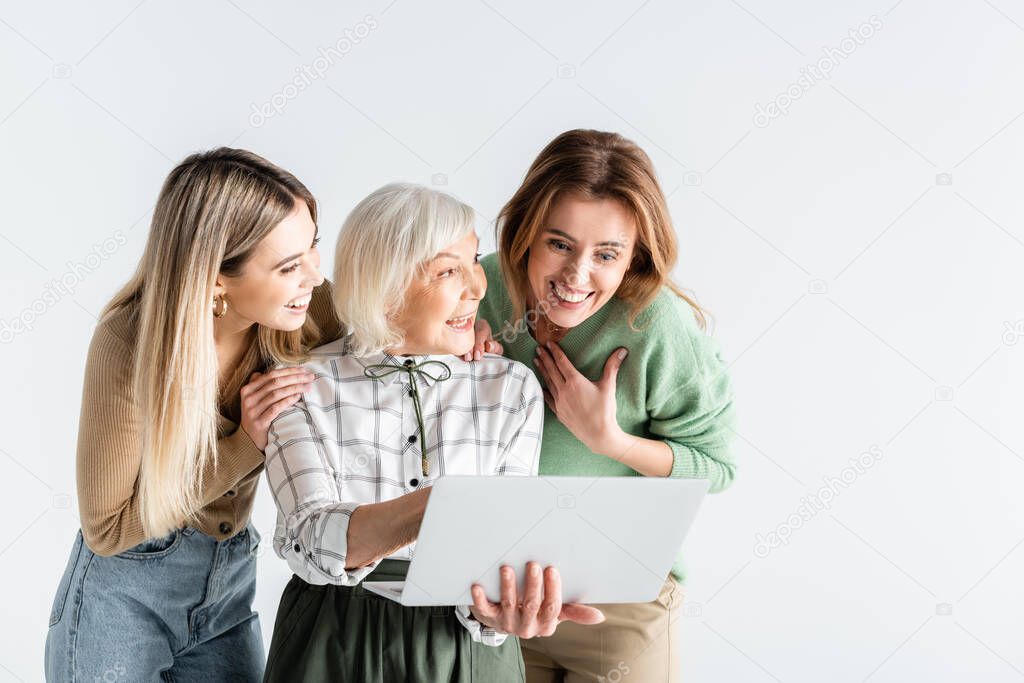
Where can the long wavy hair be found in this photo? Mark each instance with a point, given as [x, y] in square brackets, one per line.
[213, 210]
[593, 165]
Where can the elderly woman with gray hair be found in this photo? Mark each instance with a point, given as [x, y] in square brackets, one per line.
[351, 464]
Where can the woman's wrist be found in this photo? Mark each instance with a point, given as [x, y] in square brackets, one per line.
[649, 457]
[615, 444]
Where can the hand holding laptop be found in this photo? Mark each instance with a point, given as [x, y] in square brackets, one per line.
[538, 612]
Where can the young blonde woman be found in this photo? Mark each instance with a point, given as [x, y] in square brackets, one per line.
[175, 410]
[580, 291]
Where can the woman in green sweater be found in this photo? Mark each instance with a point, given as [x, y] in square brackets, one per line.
[579, 287]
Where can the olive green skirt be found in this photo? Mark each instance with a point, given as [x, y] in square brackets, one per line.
[347, 633]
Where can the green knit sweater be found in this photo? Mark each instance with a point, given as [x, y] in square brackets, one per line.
[672, 386]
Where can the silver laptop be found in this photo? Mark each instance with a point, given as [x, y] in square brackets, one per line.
[613, 539]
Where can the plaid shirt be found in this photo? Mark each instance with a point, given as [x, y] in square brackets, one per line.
[354, 439]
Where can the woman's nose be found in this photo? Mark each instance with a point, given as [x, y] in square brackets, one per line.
[313, 275]
[577, 274]
[477, 286]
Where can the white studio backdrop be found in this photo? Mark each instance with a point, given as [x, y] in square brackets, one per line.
[845, 179]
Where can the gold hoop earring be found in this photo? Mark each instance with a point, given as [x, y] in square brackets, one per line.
[221, 303]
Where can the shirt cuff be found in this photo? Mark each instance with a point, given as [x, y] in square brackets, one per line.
[477, 631]
[318, 552]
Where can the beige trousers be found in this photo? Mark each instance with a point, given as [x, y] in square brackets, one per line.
[635, 643]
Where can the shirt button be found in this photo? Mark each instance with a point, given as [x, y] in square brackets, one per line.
[412, 439]
[411, 392]
[297, 548]
[409, 363]
[229, 494]
[225, 528]
[414, 482]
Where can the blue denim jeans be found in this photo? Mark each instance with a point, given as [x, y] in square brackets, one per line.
[177, 608]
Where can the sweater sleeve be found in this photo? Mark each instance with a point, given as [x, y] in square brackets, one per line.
[690, 398]
[109, 454]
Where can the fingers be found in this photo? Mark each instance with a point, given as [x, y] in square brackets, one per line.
[276, 408]
[612, 365]
[532, 597]
[549, 400]
[482, 330]
[562, 361]
[292, 385]
[482, 607]
[510, 601]
[581, 614]
[547, 616]
[552, 375]
[259, 382]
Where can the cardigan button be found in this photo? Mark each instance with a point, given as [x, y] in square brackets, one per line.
[225, 528]
[230, 494]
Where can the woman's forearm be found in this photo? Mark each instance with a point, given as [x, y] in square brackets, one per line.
[649, 457]
[377, 530]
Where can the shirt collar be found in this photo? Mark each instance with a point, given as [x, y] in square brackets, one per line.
[426, 375]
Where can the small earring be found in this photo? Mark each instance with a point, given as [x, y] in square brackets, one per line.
[220, 306]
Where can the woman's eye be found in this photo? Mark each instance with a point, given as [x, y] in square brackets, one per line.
[607, 257]
[558, 245]
[291, 269]
[448, 273]
[315, 242]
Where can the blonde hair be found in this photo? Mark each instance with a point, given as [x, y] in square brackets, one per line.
[212, 212]
[385, 242]
[592, 164]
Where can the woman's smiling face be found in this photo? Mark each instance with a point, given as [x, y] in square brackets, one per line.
[276, 283]
[439, 308]
[579, 257]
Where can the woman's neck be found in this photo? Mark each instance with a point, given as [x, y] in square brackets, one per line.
[232, 343]
[543, 330]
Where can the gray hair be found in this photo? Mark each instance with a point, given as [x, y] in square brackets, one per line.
[385, 242]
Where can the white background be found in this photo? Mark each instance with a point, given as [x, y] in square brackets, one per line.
[862, 297]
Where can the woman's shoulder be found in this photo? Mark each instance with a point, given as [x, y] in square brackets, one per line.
[325, 353]
[110, 361]
[670, 332]
[519, 379]
[117, 331]
[668, 314]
